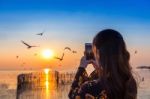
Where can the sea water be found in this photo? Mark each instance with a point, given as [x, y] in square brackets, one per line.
[8, 85]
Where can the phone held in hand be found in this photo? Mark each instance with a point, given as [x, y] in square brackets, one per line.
[89, 52]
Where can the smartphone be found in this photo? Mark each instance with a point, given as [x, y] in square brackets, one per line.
[89, 52]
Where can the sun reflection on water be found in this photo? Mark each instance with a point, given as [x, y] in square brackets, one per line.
[47, 83]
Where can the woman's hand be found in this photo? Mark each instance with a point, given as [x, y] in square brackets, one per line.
[83, 62]
[94, 63]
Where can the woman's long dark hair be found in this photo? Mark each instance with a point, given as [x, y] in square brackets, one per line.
[114, 61]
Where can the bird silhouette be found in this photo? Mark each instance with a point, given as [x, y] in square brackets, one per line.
[40, 33]
[135, 52]
[67, 48]
[62, 57]
[143, 67]
[28, 46]
[17, 57]
[74, 52]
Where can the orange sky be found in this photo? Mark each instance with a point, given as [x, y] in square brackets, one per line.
[71, 61]
[8, 58]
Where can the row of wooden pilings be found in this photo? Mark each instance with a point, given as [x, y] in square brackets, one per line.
[38, 80]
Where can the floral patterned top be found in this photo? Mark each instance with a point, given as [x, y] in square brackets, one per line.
[87, 87]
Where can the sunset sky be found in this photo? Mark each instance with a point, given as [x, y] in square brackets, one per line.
[69, 23]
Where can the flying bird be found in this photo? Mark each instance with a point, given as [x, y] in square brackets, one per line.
[62, 57]
[67, 48]
[74, 52]
[135, 52]
[40, 33]
[28, 46]
[143, 67]
[17, 57]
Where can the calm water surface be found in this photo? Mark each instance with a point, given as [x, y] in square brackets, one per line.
[8, 84]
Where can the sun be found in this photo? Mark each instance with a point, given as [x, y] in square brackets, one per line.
[46, 70]
[47, 53]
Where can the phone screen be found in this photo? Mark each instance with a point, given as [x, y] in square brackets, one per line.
[88, 51]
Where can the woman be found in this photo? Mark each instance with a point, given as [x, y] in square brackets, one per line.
[114, 76]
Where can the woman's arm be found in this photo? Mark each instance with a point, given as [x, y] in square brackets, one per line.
[80, 77]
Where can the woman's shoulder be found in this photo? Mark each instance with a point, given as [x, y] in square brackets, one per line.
[92, 84]
[94, 88]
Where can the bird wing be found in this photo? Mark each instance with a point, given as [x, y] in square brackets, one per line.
[62, 56]
[67, 48]
[39, 34]
[57, 58]
[25, 43]
[74, 51]
[142, 67]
